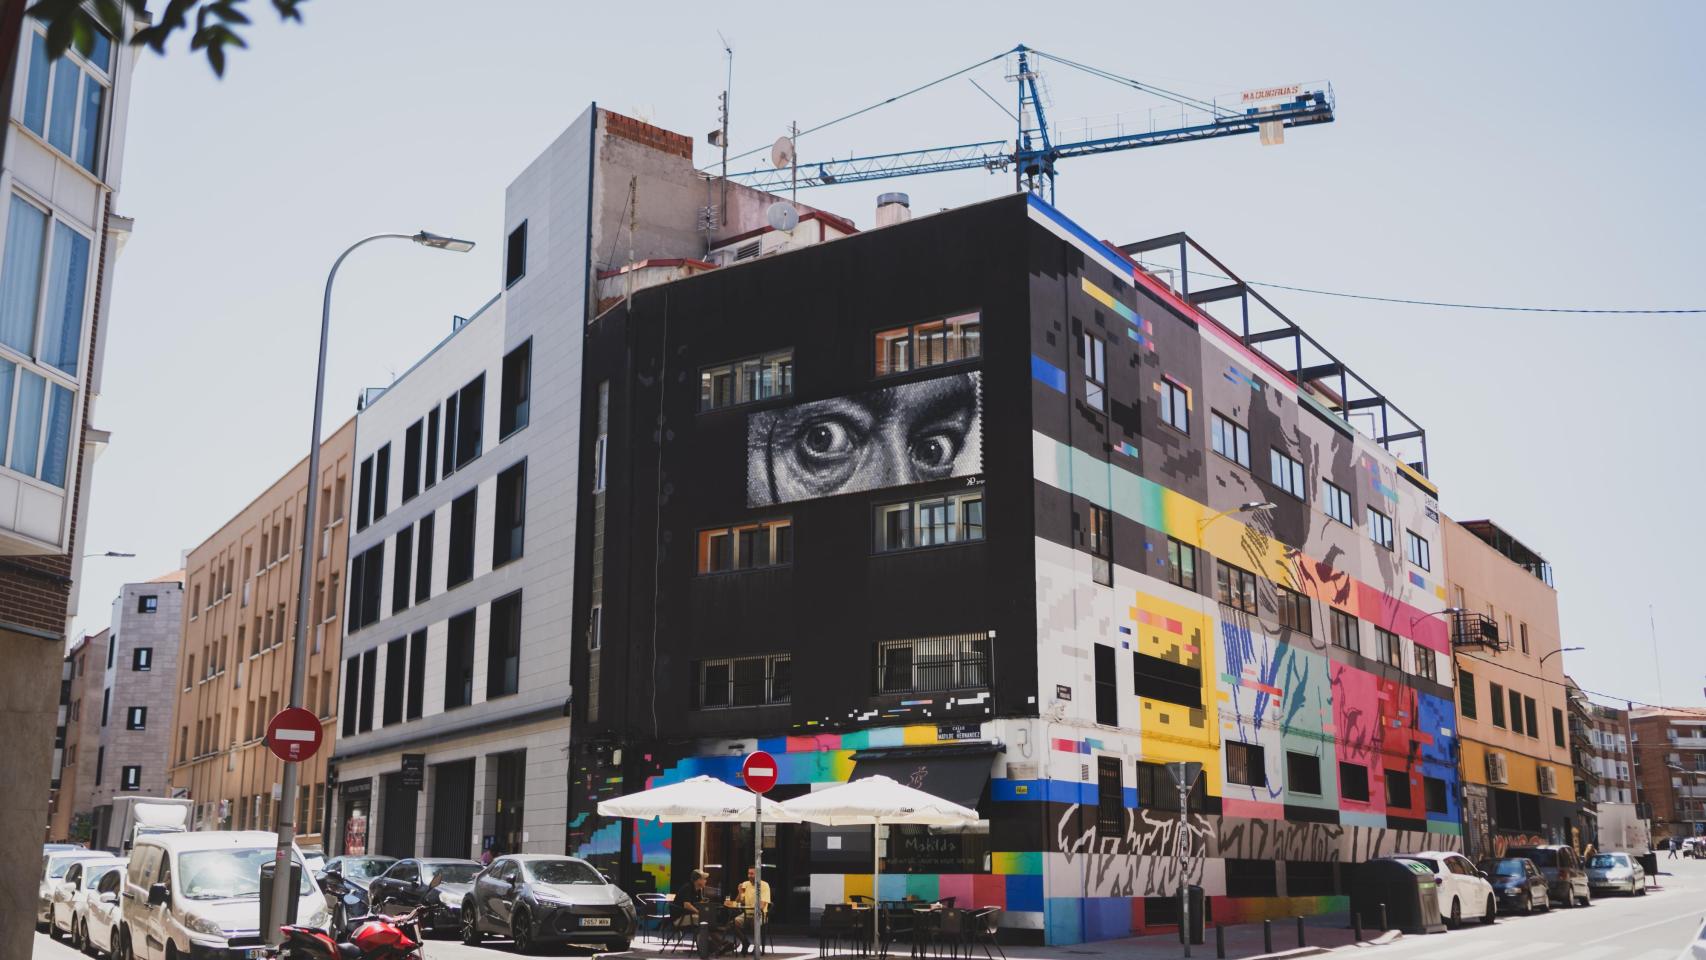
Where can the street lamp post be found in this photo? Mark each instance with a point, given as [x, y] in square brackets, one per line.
[282, 888]
[1554, 653]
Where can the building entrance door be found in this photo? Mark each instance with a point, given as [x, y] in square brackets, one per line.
[452, 809]
[397, 830]
[511, 796]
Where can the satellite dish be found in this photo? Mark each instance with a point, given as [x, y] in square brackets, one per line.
[782, 216]
[782, 152]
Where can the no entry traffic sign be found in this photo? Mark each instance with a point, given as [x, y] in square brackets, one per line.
[293, 734]
[759, 772]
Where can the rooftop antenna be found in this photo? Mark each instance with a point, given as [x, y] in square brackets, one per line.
[722, 134]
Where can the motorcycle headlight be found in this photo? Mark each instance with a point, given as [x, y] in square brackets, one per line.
[202, 925]
[449, 899]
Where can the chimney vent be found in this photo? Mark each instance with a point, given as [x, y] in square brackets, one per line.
[893, 208]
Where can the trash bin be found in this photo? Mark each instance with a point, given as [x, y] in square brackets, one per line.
[1198, 921]
[1406, 888]
[267, 923]
[1650, 863]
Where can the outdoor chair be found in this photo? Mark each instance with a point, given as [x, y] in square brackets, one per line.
[982, 926]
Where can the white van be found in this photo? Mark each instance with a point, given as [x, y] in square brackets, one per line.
[199, 893]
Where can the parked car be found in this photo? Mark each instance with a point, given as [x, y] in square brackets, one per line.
[349, 897]
[79, 880]
[1617, 871]
[1518, 883]
[315, 857]
[534, 899]
[48, 848]
[1566, 878]
[198, 895]
[53, 869]
[1690, 847]
[408, 883]
[97, 917]
[1463, 891]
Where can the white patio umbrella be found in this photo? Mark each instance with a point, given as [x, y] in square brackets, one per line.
[875, 801]
[698, 800]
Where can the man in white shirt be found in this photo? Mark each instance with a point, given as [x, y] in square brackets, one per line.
[744, 895]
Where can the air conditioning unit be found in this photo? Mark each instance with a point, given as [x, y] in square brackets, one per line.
[1548, 780]
[1498, 771]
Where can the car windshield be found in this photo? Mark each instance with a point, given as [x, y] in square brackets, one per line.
[57, 866]
[452, 872]
[1426, 864]
[224, 874]
[1604, 860]
[563, 871]
[1542, 858]
[364, 868]
[1505, 868]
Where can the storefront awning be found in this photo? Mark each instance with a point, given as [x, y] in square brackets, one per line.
[957, 773]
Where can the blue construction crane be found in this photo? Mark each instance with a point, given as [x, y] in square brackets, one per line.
[1032, 154]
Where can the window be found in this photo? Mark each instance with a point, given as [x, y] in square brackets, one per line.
[352, 693]
[459, 661]
[1391, 647]
[1251, 878]
[515, 255]
[1433, 795]
[1107, 687]
[509, 526]
[601, 446]
[1516, 711]
[1530, 719]
[142, 659]
[952, 662]
[1345, 632]
[132, 779]
[470, 421]
[1101, 543]
[1417, 552]
[1466, 694]
[429, 460]
[1246, 764]
[403, 565]
[112, 650]
[450, 434]
[64, 98]
[412, 461]
[1157, 791]
[106, 705]
[1095, 371]
[148, 603]
[767, 543]
[515, 403]
[416, 696]
[1303, 772]
[364, 495]
[1426, 667]
[1398, 789]
[929, 522]
[366, 584]
[1175, 406]
[136, 718]
[369, 679]
[381, 481]
[1236, 588]
[747, 381]
[929, 344]
[1523, 633]
[743, 682]
[1294, 610]
[1498, 697]
[1182, 564]
[503, 647]
[1353, 781]
[462, 514]
[423, 560]
[1336, 501]
[1557, 727]
[1286, 473]
[1229, 440]
[396, 661]
[41, 317]
[1160, 679]
[595, 628]
[1380, 528]
[1110, 796]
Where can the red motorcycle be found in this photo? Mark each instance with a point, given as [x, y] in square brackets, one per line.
[371, 938]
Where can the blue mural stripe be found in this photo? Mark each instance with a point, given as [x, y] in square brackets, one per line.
[1047, 373]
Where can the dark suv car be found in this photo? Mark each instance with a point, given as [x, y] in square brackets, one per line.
[1566, 875]
[536, 899]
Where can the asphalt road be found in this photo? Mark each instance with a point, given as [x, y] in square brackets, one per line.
[1657, 926]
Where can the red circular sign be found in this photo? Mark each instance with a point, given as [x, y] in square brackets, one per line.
[759, 772]
[293, 734]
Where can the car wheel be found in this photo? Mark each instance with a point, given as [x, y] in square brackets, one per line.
[470, 924]
[52, 928]
[1491, 916]
[1528, 903]
[121, 944]
[621, 946]
[521, 931]
[1456, 914]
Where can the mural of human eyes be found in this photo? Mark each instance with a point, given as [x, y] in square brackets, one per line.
[908, 433]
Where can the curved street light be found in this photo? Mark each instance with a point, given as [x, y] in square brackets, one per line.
[282, 892]
[1554, 653]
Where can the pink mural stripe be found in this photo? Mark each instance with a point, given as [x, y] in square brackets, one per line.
[1254, 809]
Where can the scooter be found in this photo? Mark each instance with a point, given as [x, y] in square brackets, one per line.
[373, 937]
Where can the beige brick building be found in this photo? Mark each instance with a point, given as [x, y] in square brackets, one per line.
[79, 738]
[234, 665]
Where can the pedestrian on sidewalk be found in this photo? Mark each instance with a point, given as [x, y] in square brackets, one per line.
[1672, 844]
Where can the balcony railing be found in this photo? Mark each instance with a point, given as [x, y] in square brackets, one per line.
[1471, 629]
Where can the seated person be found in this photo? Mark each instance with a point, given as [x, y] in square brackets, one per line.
[691, 901]
[744, 896]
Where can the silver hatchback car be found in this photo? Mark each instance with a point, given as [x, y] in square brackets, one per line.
[1617, 871]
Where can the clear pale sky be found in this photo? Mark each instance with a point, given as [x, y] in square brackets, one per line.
[1533, 153]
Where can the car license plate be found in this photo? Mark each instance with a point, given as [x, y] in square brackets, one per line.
[255, 953]
[595, 921]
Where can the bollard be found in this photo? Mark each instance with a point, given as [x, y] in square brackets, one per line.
[1300, 931]
[1383, 926]
[1267, 936]
[1356, 926]
[1219, 942]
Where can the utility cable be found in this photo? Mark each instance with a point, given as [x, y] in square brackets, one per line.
[1162, 92]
